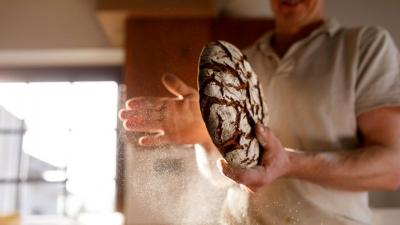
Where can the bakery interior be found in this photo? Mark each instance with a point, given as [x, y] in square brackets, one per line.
[67, 66]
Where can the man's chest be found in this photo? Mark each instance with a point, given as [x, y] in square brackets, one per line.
[310, 96]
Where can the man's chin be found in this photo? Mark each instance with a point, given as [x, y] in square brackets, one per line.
[291, 20]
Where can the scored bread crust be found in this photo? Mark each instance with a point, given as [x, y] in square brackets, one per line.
[231, 103]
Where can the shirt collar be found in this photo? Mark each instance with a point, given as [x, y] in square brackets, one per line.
[330, 27]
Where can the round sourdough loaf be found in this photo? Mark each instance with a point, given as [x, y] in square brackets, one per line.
[231, 103]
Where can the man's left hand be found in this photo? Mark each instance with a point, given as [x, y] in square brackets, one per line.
[274, 164]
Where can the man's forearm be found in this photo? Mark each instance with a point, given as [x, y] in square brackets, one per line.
[363, 169]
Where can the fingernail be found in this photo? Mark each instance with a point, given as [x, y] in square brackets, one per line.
[142, 141]
[121, 114]
[260, 127]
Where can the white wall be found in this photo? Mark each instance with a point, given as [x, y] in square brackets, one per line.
[384, 13]
[33, 24]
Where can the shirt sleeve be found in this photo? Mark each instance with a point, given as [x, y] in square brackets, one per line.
[378, 78]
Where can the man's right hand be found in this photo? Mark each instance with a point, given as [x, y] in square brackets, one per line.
[172, 120]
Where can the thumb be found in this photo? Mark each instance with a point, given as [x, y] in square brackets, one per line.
[263, 135]
[176, 86]
[266, 138]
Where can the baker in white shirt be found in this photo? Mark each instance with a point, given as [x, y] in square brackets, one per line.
[334, 100]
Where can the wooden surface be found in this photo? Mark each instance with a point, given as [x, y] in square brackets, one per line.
[155, 47]
[158, 46]
[241, 32]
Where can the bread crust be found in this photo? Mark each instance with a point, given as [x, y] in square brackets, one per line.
[231, 103]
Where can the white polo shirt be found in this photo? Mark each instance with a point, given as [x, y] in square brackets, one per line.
[314, 94]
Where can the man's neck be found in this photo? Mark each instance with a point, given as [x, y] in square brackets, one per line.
[286, 36]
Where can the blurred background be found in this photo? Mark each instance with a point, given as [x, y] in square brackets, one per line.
[65, 68]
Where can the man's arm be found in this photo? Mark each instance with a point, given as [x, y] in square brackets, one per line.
[374, 166]
[174, 120]
[169, 120]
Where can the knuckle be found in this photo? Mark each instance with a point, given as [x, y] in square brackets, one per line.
[262, 140]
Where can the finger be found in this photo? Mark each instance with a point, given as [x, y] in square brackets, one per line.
[121, 114]
[147, 103]
[144, 114]
[176, 86]
[130, 137]
[225, 169]
[251, 177]
[141, 125]
[248, 177]
[154, 140]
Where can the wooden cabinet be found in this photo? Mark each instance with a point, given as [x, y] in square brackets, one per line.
[156, 46]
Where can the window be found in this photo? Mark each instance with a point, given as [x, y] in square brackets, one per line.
[58, 143]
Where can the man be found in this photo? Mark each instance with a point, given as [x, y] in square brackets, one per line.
[334, 100]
